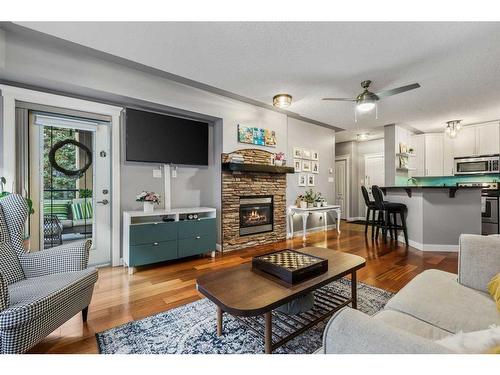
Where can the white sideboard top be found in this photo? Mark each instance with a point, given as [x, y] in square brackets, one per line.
[172, 211]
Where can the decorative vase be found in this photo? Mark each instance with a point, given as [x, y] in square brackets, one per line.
[148, 207]
[278, 163]
[303, 204]
[310, 205]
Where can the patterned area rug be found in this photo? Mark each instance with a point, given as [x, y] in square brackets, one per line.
[191, 329]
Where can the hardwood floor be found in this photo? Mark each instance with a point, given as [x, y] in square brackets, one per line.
[120, 298]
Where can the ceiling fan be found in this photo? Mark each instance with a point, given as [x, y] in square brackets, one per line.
[366, 100]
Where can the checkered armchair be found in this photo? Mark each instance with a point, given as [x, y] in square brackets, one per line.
[38, 291]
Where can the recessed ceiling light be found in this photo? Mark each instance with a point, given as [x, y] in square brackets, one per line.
[282, 100]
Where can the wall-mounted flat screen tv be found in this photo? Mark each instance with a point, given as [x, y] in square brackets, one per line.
[160, 138]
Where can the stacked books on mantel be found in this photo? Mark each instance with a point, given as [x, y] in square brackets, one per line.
[236, 158]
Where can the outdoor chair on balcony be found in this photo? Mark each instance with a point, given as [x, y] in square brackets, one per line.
[52, 230]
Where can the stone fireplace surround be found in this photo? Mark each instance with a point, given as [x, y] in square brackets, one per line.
[246, 184]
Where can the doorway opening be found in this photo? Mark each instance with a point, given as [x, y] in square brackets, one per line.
[342, 184]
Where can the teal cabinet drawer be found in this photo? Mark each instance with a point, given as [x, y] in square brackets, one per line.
[152, 253]
[197, 245]
[195, 228]
[154, 232]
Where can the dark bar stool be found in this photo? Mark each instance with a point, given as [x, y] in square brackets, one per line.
[386, 209]
[371, 208]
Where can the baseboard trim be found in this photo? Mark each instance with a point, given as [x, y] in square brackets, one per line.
[356, 218]
[430, 247]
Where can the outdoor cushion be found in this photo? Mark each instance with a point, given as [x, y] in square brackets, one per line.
[57, 207]
[81, 210]
[10, 267]
[410, 324]
[436, 297]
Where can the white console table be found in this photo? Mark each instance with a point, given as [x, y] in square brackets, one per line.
[305, 212]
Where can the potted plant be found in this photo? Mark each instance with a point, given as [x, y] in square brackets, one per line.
[310, 197]
[318, 200]
[149, 199]
[279, 159]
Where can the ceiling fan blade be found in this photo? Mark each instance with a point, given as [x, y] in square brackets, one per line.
[341, 99]
[399, 90]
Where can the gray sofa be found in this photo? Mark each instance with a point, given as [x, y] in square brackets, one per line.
[435, 304]
[39, 291]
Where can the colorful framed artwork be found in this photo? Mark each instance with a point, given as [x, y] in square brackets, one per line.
[297, 152]
[302, 179]
[306, 154]
[314, 155]
[306, 166]
[256, 136]
[311, 180]
[315, 167]
[297, 165]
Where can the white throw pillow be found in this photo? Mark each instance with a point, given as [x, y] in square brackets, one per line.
[476, 342]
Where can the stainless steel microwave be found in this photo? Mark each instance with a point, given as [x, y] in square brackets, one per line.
[477, 165]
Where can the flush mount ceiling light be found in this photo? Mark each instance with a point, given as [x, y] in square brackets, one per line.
[362, 136]
[452, 127]
[282, 100]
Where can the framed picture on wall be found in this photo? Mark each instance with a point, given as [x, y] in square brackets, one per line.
[314, 155]
[297, 165]
[311, 180]
[297, 152]
[315, 167]
[302, 179]
[306, 166]
[306, 153]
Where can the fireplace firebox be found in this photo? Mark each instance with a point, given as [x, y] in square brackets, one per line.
[256, 215]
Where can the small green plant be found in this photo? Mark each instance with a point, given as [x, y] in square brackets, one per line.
[85, 193]
[310, 196]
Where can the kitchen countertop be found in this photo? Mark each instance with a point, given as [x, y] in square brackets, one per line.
[408, 189]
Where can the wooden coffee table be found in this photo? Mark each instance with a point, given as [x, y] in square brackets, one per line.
[249, 294]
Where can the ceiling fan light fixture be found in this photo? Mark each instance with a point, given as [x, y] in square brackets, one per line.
[282, 100]
[365, 106]
[362, 136]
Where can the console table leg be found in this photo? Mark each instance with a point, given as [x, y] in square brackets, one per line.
[354, 290]
[338, 220]
[304, 225]
[268, 341]
[219, 321]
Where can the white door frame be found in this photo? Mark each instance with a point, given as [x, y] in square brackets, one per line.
[347, 158]
[10, 94]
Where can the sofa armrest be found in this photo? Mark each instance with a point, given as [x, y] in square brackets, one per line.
[479, 260]
[65, 258]
[353, 332]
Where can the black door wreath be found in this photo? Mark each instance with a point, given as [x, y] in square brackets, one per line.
[77, 173]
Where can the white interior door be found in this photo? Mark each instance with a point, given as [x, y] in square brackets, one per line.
[374, 172]
[341, 185]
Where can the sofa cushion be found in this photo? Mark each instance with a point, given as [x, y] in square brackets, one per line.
[436, 297]
[4, 230]
[10, 267]
[410, 324]
[81, 210]
[35, 296]
[57, 207]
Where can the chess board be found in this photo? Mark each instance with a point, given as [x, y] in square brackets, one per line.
[290, 265]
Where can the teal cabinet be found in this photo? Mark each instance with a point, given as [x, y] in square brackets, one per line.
[153, 242]
[152, 232]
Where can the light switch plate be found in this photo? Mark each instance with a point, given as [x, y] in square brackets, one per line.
[156, 173]
[330, 179]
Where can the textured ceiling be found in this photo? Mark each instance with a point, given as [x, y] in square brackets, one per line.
[457, 64]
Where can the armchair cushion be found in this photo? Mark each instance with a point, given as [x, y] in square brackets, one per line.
[35, 296]
[4, 230]
[4, 294]
[10, 267]
[65, 258]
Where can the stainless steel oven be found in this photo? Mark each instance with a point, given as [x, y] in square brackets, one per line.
[490, 193]
[477, 165]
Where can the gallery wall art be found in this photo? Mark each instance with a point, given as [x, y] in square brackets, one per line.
[256, 136]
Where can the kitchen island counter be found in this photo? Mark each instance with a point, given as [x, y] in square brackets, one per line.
[438, 215]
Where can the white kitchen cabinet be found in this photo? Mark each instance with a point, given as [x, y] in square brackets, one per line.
[448, 161]
[434, 155]
[417, 163]
[428, 159]
[464, 143]
[477, 140]
[488, 139]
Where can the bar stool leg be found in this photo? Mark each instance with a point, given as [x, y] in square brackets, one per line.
[378, 224]
[387, 216]
[367, 220]
[374, 217]
[395, 226]
[405, 229]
